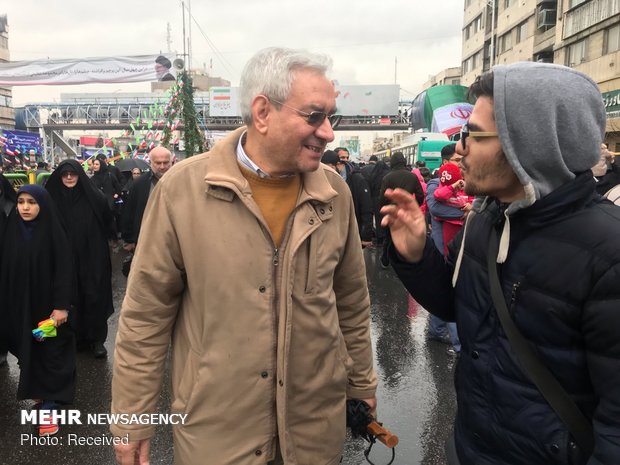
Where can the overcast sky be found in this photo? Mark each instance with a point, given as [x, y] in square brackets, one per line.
[364, 37]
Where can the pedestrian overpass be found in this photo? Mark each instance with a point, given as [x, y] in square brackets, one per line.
[122, 115]
[136, 115]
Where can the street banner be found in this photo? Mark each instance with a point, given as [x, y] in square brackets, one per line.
[19, 147]
[612, 101]
[224, 101]
[88, 70]
[377, 100]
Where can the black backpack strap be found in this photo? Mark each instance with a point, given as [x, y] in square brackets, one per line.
[555, 395]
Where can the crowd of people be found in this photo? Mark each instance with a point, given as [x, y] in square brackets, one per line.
[250, 269]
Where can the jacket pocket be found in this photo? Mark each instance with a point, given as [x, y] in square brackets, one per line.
[312, 265]
[306, 265]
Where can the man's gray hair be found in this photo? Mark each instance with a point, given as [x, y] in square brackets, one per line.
[271, 73]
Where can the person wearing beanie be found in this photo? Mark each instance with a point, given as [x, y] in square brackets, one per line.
[451, 192]
[539, 231]
[399, 177]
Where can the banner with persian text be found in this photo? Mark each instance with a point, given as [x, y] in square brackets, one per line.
[89, 70]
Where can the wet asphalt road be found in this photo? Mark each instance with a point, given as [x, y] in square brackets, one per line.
[416, 394]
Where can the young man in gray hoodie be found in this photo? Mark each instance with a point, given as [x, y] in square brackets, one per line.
[527, 150]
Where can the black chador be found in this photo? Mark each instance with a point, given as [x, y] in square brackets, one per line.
[36, 279]
[88, 222]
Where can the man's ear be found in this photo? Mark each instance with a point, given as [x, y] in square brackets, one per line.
[261, 109]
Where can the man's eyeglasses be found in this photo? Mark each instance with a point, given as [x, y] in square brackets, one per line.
[465, 133]
[314, 118]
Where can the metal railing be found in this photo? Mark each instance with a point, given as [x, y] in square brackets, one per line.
[123, 115]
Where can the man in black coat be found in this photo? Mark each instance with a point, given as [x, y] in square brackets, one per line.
[359, 191]
[551, 244]
[399, 177]
[161, 161]
[374, 173]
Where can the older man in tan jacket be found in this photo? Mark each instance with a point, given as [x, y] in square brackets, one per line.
[250, 263]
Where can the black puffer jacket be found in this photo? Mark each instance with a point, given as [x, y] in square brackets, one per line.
[561, 281]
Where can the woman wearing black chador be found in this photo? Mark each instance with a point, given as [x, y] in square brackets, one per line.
[88, 222]
[36, 280]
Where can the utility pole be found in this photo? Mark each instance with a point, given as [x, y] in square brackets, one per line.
[169, 37]
[189, 37]
[184, 54]
[395, 70]
[491, 3]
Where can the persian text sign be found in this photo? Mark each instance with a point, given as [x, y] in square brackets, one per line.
[223, 101]
[612, 101]
[87, 70]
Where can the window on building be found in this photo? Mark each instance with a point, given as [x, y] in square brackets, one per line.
[477, 24]
[467, 65]
[467, 3]
[507, 3]
[505, 42]
[577, 53]
[521, 32]
[4, 42]
[573, 3]
[466, 32]
[611, 42]
[456, 82]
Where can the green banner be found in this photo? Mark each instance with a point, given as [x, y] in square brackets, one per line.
[612, 101]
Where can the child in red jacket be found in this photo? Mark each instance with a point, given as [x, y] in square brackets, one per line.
[451, 192]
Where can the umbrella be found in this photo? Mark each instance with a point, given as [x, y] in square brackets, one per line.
[127, 164]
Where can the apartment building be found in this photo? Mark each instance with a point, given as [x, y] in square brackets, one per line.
[7, 113]
[449, 76]
[506, 31]
[584, 34]
[588, 39]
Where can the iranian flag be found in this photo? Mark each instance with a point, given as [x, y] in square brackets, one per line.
[441, 109]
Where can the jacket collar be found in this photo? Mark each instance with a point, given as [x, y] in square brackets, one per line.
[223, 172]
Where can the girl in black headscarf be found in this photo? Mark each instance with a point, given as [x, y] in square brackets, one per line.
[36, 284]
[88, 222]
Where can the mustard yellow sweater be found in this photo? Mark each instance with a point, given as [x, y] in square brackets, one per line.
[276, 198]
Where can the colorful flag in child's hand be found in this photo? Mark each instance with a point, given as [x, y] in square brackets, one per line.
[45, 329]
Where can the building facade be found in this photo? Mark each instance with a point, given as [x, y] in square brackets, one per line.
[588, 39]
[7, 113]
[449, 76]
[583, 34]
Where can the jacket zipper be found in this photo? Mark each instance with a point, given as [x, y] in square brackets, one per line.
[513, 297]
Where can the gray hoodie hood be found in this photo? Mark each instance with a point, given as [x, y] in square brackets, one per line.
[551, 122]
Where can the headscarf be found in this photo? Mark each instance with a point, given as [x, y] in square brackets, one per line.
[42, 198]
